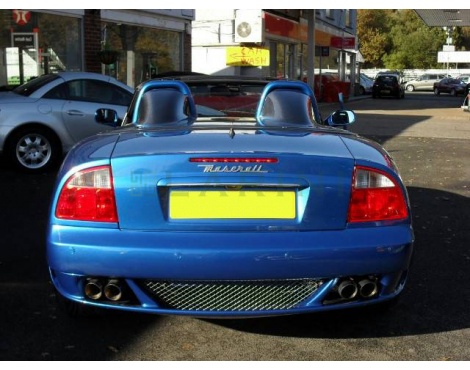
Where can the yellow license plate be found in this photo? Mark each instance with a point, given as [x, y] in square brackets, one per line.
[231, 204]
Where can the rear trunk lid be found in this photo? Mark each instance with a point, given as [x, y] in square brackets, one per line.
[214, 180]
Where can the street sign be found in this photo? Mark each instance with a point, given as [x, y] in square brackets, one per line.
[21, 17]
[247, 57]
[343, 42]
[24, 40]
[323, 51]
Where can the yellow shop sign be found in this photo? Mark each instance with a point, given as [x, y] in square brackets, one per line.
[241, 56]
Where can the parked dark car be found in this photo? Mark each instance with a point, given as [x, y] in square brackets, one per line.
[388, 84]
[452, 86]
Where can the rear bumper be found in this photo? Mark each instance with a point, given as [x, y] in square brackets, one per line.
[77, 253]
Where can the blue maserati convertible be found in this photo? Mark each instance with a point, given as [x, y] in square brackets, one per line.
[177, 212]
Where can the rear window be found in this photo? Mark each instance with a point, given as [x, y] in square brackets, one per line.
[386, 79]
[31, 86]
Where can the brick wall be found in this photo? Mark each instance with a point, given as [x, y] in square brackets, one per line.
[92, 39]
[187, 62]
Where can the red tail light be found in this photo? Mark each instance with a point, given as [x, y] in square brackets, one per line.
[88, 196]
[375, 196]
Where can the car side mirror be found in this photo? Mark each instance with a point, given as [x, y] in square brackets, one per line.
[108, 117]
[341, 118]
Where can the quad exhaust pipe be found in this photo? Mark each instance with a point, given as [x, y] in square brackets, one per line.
[112, 290]
[348, 289]
[368, 288]
[365, 288]
[95, 289]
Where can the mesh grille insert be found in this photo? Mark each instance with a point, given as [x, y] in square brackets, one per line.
[236, 295]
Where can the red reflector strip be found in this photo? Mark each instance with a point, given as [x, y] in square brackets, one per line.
[233, 160]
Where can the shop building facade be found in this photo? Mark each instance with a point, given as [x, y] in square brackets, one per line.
[131, 45]
[134, 45]
[273, 42]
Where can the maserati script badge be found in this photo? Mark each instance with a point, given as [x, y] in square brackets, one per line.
[232, 169]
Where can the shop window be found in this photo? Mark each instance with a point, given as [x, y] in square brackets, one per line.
[52, 43]
[60, 39]
[150, 51]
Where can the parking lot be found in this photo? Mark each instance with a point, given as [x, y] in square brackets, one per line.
[429, 137]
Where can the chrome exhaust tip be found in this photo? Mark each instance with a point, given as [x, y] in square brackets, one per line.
[93, 289]
[112, 290]
[347, 289]
[368, 288]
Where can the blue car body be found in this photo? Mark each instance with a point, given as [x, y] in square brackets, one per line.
[180, 244]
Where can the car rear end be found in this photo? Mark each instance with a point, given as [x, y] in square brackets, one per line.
[218, 223]
[387, 85]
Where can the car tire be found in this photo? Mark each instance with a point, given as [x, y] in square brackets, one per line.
[362, 91]
[33, 149]
[410, 88]
[436, 91]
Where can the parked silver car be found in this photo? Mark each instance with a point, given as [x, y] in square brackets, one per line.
[424, 82]
[366, 84]
[42, 119]
[464, 78]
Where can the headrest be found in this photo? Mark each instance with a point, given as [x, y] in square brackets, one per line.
[162, 106]
[286, 103]
[162, 102]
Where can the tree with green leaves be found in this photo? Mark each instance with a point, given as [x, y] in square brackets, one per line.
[372, 31]
[398, 39]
